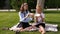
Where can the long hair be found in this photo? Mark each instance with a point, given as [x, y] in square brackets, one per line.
[22, 8]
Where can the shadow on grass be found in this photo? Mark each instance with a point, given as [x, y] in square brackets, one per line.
[58, 28]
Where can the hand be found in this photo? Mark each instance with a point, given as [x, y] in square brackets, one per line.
[27, 15]
[31, 14]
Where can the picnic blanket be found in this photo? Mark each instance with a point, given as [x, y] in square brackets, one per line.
[48, 27]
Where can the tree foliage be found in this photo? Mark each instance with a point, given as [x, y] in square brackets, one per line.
[2, 3]
[52, 3]
[16, 3]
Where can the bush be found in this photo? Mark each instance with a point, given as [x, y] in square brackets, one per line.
[16, 4]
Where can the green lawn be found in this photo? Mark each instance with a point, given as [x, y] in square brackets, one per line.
[8, 19]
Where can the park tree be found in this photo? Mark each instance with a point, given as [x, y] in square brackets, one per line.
[16, 4]
[41, 3]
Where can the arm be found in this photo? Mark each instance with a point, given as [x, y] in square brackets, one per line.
[43, 20]
[22, 18]
[43, 17]
[35, 19]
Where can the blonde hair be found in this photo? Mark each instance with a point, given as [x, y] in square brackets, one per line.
[38, 6]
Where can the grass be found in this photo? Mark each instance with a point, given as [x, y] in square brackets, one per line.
[8, 19]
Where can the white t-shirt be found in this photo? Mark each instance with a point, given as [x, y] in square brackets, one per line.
[40, 16]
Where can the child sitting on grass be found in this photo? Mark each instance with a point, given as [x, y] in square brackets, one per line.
[39, 19]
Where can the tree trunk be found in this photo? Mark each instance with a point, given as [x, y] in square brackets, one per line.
[41, 3]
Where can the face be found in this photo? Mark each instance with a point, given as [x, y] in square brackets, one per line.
[26, 6]
[38, 9]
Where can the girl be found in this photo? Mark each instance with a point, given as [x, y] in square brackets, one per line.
[24, 17]
[39, 19]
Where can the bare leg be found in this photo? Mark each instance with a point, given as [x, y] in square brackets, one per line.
[21, 29]
[42, 30]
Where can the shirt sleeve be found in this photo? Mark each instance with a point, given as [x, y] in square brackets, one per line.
[20, 16]
[43, 15]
